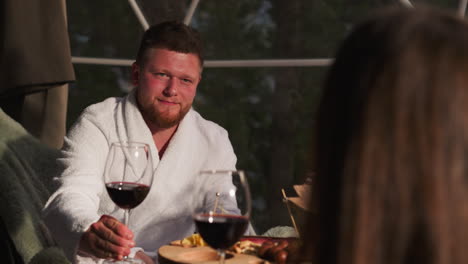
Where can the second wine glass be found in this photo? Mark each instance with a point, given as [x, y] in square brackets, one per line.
[222, 209]
[128, 176]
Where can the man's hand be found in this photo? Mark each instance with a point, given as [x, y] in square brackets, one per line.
[107, 238]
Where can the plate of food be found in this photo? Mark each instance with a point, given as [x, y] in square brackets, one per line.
[249, 249]
[262, 239]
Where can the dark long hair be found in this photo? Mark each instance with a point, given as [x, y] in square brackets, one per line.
[392, 143]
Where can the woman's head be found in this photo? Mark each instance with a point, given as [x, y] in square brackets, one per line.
[392, 142]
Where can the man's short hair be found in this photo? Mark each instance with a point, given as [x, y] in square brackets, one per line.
[171, 35]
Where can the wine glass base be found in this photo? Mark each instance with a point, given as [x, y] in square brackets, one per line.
[124, 261]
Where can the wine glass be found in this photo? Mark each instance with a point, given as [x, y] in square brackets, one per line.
[128, 176]
[222, 209]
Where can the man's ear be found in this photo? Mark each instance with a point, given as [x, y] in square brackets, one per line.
[135, 74]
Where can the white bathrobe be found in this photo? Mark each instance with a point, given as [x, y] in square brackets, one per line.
[165, 214]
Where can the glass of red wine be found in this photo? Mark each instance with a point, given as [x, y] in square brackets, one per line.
[222, 209]
[128, 176]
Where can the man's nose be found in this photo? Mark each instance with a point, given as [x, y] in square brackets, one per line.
[171, 87]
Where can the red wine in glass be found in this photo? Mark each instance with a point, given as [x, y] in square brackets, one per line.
[127, 195]
[221, 231]
[221, 208]
[128, 176]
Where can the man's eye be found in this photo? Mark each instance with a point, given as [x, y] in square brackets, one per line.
[161, 74]
[187, 81]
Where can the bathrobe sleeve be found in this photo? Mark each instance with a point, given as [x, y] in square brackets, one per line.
[74, 206]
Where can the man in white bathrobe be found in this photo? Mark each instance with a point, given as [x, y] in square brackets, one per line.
[83, 219]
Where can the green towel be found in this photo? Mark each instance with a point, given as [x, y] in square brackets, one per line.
[26, 171]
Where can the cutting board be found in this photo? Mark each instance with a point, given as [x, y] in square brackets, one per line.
[180, 255]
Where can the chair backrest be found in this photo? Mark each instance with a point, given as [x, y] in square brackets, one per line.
[27, 168]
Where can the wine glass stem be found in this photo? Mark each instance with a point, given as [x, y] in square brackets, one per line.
[126, 215]
[222, 256]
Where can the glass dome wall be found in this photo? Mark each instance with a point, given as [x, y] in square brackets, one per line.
[269, 110]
